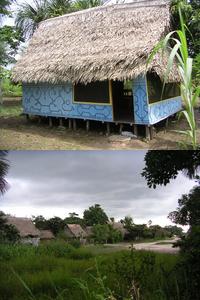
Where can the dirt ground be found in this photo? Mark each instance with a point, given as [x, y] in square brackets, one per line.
[166, 247]
[17, 133]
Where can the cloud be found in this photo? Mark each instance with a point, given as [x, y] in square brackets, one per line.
[58, 182]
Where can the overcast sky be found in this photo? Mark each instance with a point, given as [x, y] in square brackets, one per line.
[58, 182]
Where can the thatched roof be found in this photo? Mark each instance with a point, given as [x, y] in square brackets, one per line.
[76, 230]
[119, 226]
[106, 42]
[46, 235]
[25, 226]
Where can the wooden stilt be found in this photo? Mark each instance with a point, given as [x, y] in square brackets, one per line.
[166, 124]
[135, 129]
[39, 119]
[121, 128]
[147, 132]
[61, 122]
[151, 131]
[108, 128]
[27, 117]
[70, 124]
[74, 124]
[87, 125]
[50, 122]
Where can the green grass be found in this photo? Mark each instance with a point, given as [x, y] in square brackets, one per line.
[46, 271]
[11, 90]
[10, 111]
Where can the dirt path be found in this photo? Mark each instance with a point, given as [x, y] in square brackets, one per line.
[163, 246]
[18, 134]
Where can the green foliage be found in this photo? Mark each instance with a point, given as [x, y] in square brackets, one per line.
[163, 166]
[100, 233]
[74, 219]
[55, 224]
[44, 275]
[84, 4]
[8, 233]
[8, 88]
[188, 211]
[95, 215]
[179, 53]
[4, 166]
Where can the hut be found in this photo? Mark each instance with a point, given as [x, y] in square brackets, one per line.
[92, 65]
[120, 227]
[29, 234]
[46, 235]
[75, 231]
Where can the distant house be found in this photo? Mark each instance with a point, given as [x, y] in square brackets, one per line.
[120, 227]
[29, 234]
[75, 231]
[46, 235]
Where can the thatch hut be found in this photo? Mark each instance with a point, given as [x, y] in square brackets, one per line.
[75, 231]
[91, 65]
[29, 234]
[46, 235]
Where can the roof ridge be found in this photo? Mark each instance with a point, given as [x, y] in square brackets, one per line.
[106, 7]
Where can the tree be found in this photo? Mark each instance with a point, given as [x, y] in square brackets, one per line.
[100, 233]
[74, 219]
[127, 222]
[56, 225]
[40, 222]
[174, 230]
[95, 215]
[163, 166]
[4, 166]
[188, 211]
[8, 232]
[84, 4]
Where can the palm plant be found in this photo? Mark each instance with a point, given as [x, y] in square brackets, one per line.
[3, 171]
[84, 4]
[30, 15]
[179, 52]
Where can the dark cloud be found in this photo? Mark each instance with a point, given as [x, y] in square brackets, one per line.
[57, 182]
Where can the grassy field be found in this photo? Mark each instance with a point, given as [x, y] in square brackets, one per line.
[59, 271]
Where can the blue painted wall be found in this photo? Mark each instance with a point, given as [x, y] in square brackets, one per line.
[160, 110]
[57, 101]
[140, 101]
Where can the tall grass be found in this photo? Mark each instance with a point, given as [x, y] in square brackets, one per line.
[189, 93]
[59, 271]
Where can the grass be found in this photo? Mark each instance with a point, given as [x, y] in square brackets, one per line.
[11, 90]
[10, 111]
[46, 271]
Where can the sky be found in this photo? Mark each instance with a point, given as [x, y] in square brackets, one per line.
[55, 183]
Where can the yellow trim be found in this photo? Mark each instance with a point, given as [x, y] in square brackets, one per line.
[164, 100]
[95, 103]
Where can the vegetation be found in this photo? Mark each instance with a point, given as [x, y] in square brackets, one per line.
[95, 215]
[58, 271]
[4, 166]
[8, 233]
[176, 44]
[8, 88]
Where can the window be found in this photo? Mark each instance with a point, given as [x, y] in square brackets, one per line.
[94, 92]
[155, 86]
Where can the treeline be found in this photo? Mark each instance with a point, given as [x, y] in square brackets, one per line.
[105, 229]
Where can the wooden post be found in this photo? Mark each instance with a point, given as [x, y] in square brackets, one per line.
[147, 132]
[74, 124]
[121, 128]
[50, 122]
[135, 129]
[70, 124]
[87, 125]
[151, 132]
[108, 128]
[166, 124]
[27, 117]
[61, 122]
[39, 119]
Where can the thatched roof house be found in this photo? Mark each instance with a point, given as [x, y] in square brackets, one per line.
[27, 230]
[75, 231]
[91, 65]
[106, 42]
[119, 226]
[46, 235]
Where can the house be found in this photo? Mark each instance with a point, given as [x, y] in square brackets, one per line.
[120, 227]
[75, 231]
[29, 234]
[92, 65]
[46, 235]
